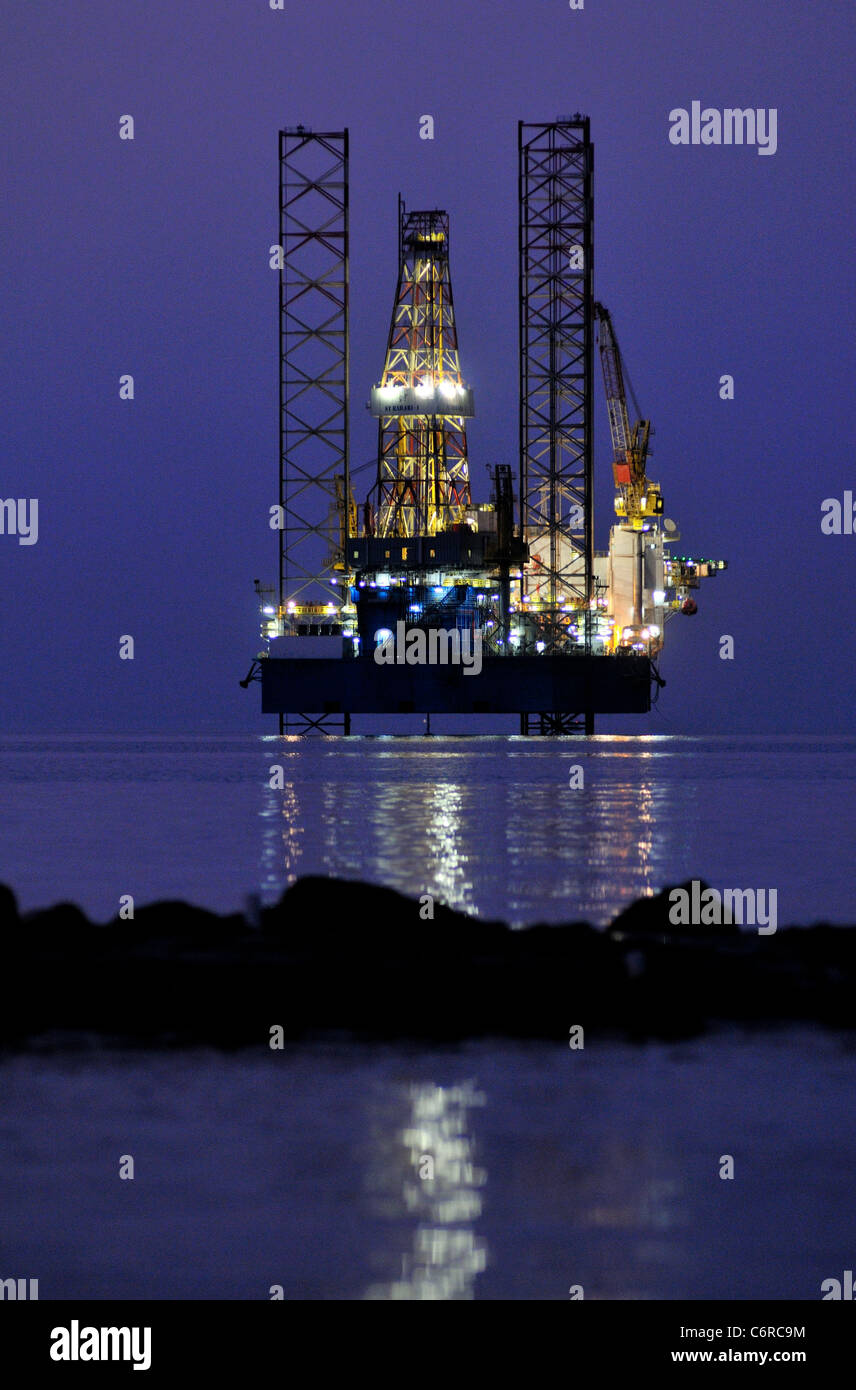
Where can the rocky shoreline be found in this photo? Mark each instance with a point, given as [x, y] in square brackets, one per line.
[334, 957]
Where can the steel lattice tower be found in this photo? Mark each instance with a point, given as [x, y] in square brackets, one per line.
[556, 366]
[421, 402]
[314, 356]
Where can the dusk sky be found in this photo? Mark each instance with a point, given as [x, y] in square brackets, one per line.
[150, 257]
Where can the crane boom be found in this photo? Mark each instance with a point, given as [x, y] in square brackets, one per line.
[637, 497]
[613, 378]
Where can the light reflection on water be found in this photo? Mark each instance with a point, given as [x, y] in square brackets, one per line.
[425, 1189]
[489, 824]
[499, 837]
[619, 1197]
[553, 1168]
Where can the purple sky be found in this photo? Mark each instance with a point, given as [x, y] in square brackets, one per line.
[151, 257]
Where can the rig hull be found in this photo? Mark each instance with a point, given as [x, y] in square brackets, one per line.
[505, 685]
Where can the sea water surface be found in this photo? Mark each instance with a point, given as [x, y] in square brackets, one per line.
[492, 826]
[596, 1170]
[551, 1169]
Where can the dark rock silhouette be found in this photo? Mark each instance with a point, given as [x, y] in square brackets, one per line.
[334, 956]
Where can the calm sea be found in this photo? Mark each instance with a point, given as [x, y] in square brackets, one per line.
[489, 825]
[552, 1168]
[305, 1169]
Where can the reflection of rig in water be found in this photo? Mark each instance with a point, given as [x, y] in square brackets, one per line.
[566, 631]
[425, 1173]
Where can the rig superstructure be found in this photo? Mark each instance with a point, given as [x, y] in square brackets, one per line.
[563, 631]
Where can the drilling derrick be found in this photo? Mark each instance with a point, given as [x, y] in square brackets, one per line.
[421, 401]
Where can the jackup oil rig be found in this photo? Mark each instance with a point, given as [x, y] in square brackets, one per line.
[563, 631]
